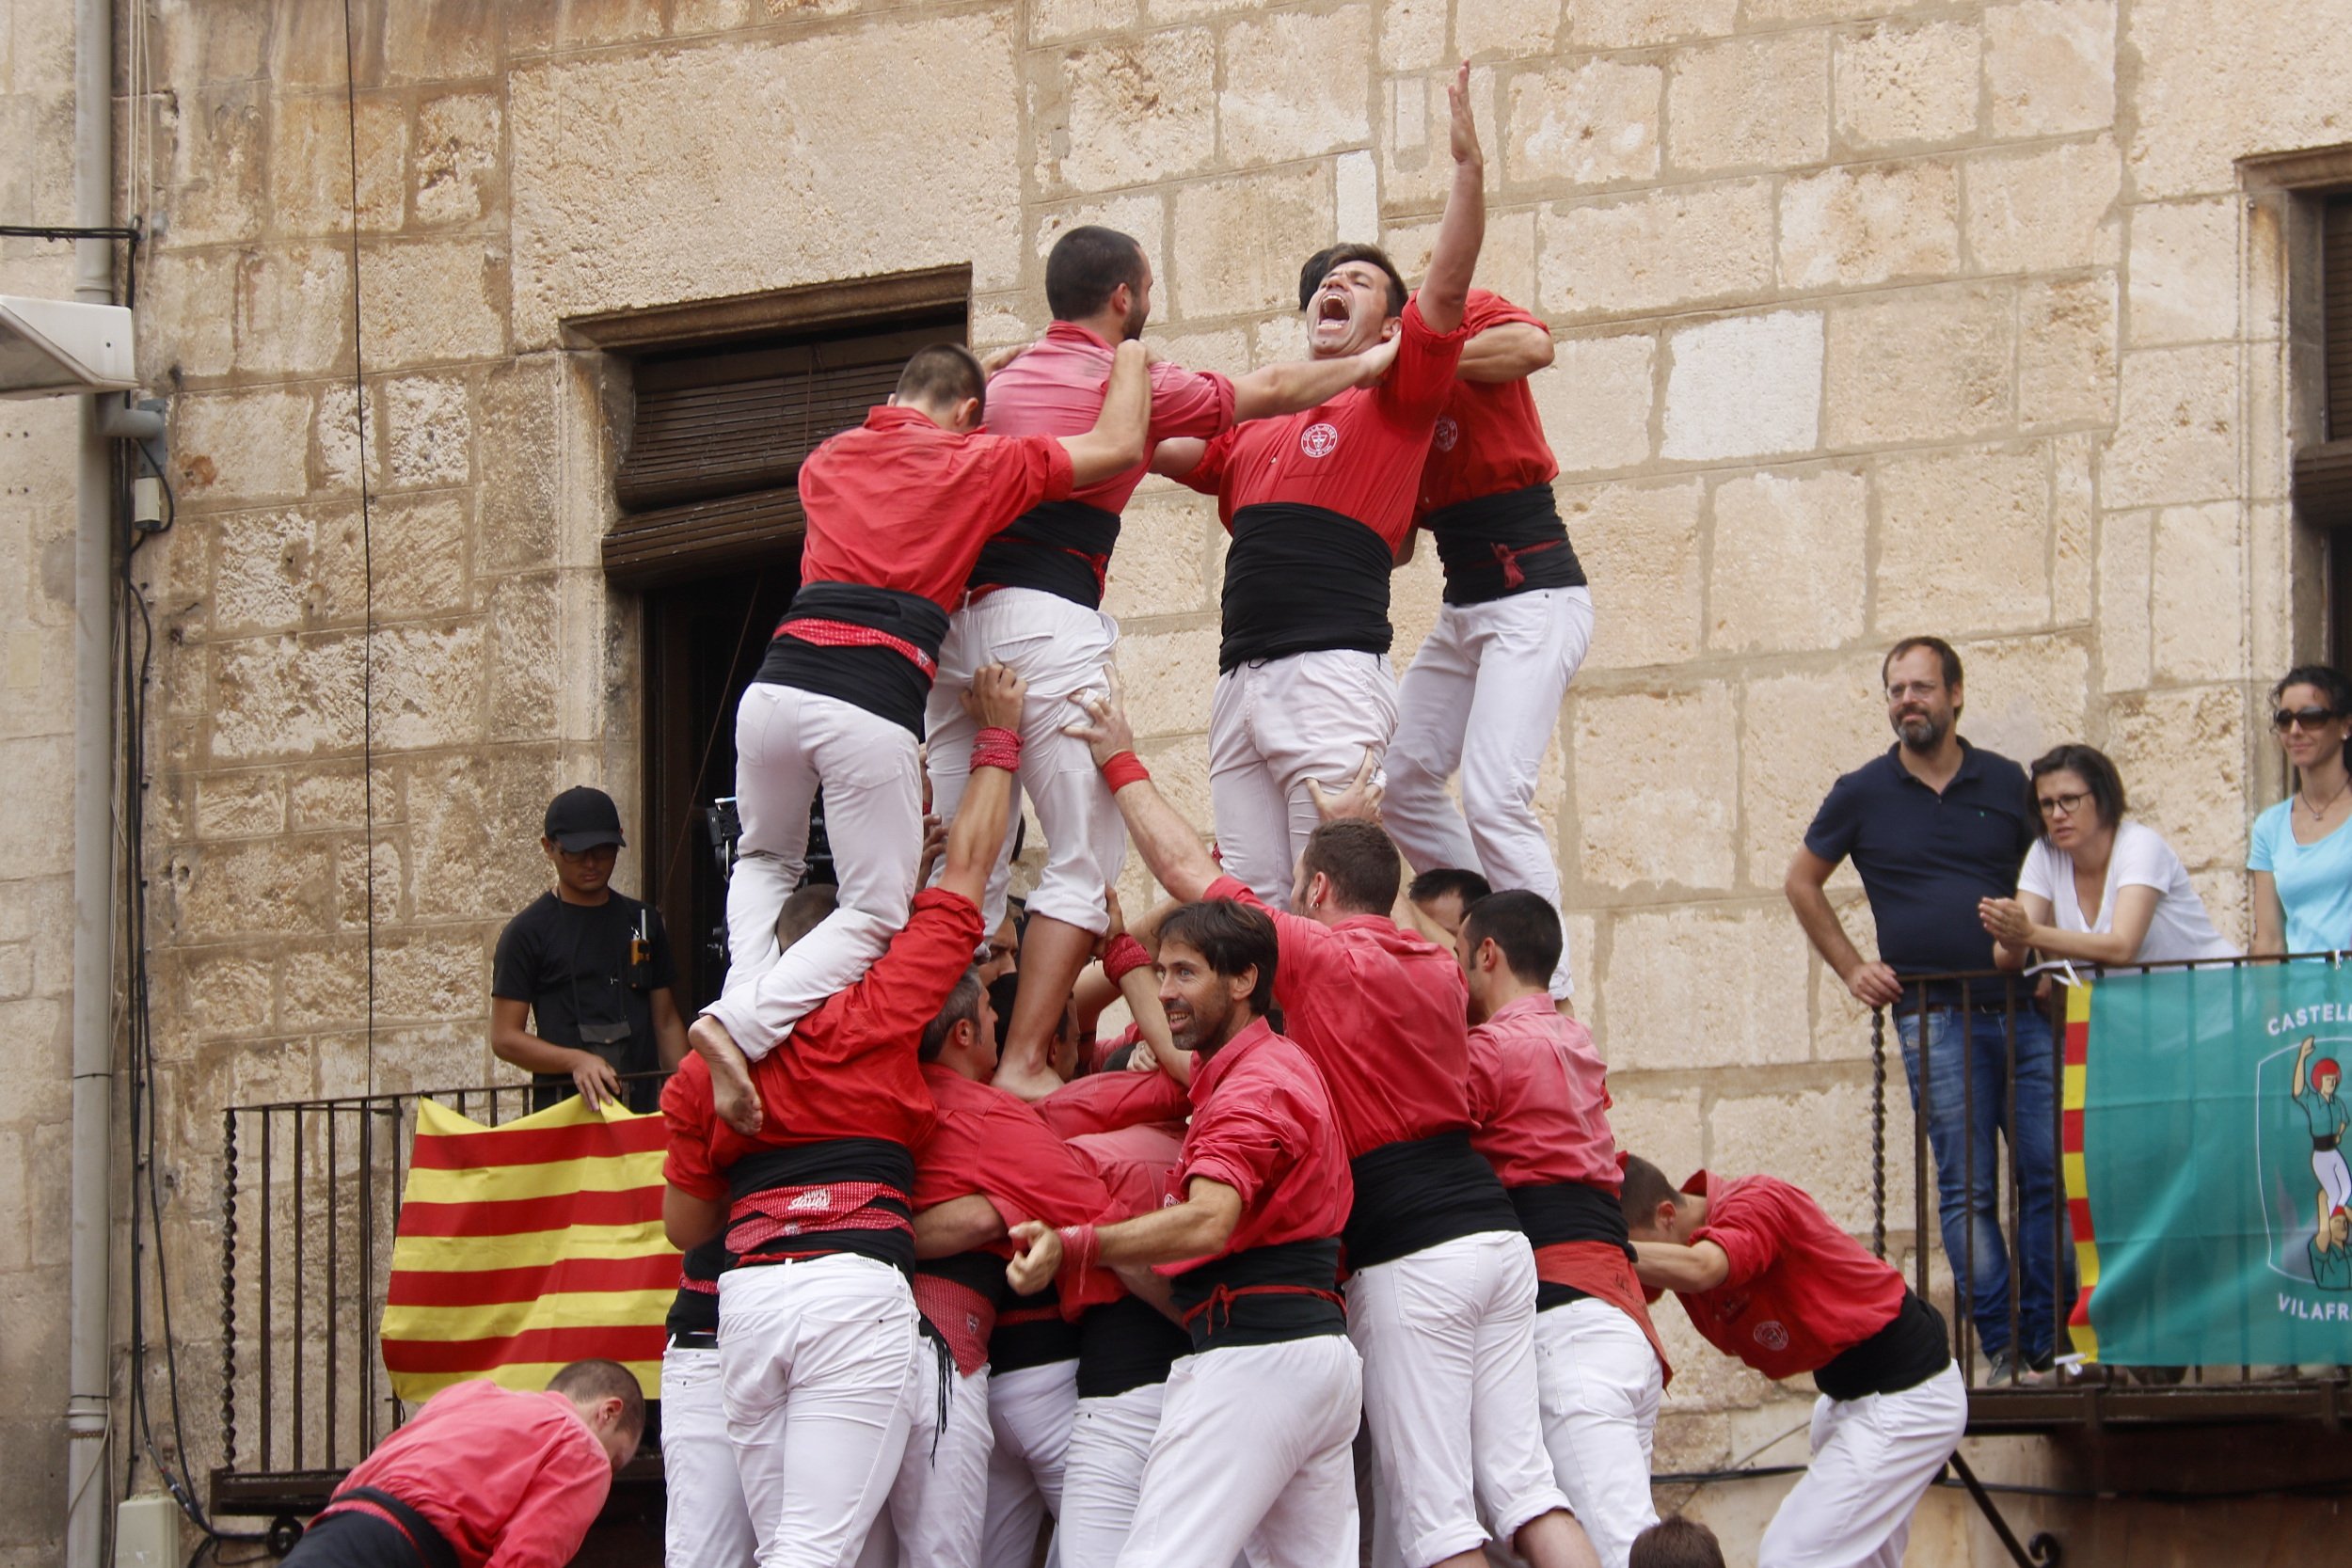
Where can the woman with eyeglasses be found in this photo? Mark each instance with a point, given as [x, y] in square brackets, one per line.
[2301, 852]
[2095, 888]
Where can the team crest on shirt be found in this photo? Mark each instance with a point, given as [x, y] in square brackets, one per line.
[1447, 434]
[1771, 1335]
[1320, 439]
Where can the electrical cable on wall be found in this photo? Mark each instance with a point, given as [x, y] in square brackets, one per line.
[367, 549]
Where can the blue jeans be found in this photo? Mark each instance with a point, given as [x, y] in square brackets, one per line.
[1966, 1116]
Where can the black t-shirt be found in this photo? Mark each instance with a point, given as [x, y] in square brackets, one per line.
[1925, 857]
[589, 971]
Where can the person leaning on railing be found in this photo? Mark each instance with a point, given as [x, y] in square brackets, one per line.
[2301, 852]
[2096, 888]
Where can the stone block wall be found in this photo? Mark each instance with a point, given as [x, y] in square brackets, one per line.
[1873, 317]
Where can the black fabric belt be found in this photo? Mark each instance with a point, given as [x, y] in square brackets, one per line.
[1062, 548]
[694, 1339]
[696, 1311]
[882, 680]
[433, 1549]
[1569, 1211]
[1263, 1295]
[2325, 1145]
[1301, 580]
[1911, 1349]
[1128, 1343]
[1420, 1192]
[1032, 1334]
[853, 1160]
[1493, 547]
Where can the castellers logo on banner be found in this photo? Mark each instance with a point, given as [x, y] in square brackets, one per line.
[2299, 1111]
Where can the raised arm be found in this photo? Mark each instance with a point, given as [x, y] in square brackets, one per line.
[1511, 351]
[978, 830]
[1295, 384]
[1445, 288]
[1169, 845]
[1116, 444]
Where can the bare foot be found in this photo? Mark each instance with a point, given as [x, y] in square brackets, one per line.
[1028, 1084]
[731, 1093]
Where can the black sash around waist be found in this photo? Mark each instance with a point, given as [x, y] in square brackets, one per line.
[1911, 1349]
[1416, 1193]
[1301, 580]
[875, 1160]
[1062, 548]
[1567, 1212]
[1263, 1295]
[2327, 1145]
[1493, 547]
[697, 1309]
[890, 682]
[432, 1548]
[1128, 1343]
[1031, 1332]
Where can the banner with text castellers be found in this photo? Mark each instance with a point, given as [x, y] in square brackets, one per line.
[2204, 1137]
[527, 1246]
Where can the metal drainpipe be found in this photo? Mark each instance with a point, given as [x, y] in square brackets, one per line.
[88, 1370]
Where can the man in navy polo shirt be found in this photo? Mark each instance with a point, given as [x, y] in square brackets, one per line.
[1932, 826]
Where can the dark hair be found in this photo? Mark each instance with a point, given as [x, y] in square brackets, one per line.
[1524, 926]
[1001, 993]
[941, 373]
[1676, 1542]
[805, 910]
[2329, 680]
[1321, 264]
[1086, 266]
[1361, 862]
[962, 1006]
[1230, 938]
[594, 1381]
[1469, 886]
[1936, 645]
[1643, 1188]
[2092, 767]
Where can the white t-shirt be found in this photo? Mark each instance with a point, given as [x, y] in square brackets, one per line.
[2179, 929]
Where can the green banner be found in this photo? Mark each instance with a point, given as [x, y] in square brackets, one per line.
[2206, 1141]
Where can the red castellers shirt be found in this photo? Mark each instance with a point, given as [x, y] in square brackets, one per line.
[1056, 389]
[899, 503]
[1381, 1011]
[995, 1144]
[510, 1480]
[1801, 1292]
[1262, 1124]
[1359, 455]
[1541, 1098]
[1488, 439]
[1134, 1163]
[1106, 1102]
[848, 1071]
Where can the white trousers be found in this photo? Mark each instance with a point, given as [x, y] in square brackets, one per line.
[789, 744]
[816, 1358]
[941, 1495]
[1252, 1456]
[706, 1523]
[2334, 1177]
[1447, 1335]
[1274, 724]
[1599, 1384]
[1102, 1475]
[1061, 649]
[1483, 695]
[1031, 1412]
[1873, 1460]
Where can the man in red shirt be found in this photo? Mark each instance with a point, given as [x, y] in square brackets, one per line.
[1318, 504]
[1036, 597]
[817, 1324]
[1253, 1449]
[1442, 1297]
[482, 1477]
[1769, 1278]
[1540, 1094]
[897, 510]
[1483, 694]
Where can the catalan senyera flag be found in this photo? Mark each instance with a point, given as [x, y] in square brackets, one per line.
[527, 1246]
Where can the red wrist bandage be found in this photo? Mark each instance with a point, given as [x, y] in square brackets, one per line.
[997, 748]
[1123, 957]
[1124, 769]
[1080, 1248]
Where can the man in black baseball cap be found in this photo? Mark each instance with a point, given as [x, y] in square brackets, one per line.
[580, 991]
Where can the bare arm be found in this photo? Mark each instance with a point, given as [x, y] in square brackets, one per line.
[512, 1042]
[1141, 989]
[669, 1030]
[690, 1221]
[2024, 922]
[959, 1225]
[2302, 1059]
[1873, 985]
[1445, 288]
[1116, 443]
[1168, 843]
[2271, 917]
[1295, 384]
[978, 830]
[1197, 1227]
[1177, 457]
[1512, 352]
[1672, 1266]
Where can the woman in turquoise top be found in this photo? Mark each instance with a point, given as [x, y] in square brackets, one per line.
[2301, 849]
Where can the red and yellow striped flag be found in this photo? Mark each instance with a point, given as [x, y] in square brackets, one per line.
[527, 1246]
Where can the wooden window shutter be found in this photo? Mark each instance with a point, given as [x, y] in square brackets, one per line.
[2323, 472]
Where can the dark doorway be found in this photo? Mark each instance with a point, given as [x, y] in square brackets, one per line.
[703, 640]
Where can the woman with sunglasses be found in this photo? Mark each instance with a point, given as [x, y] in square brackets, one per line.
[2301, 852]
[2096, 888]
